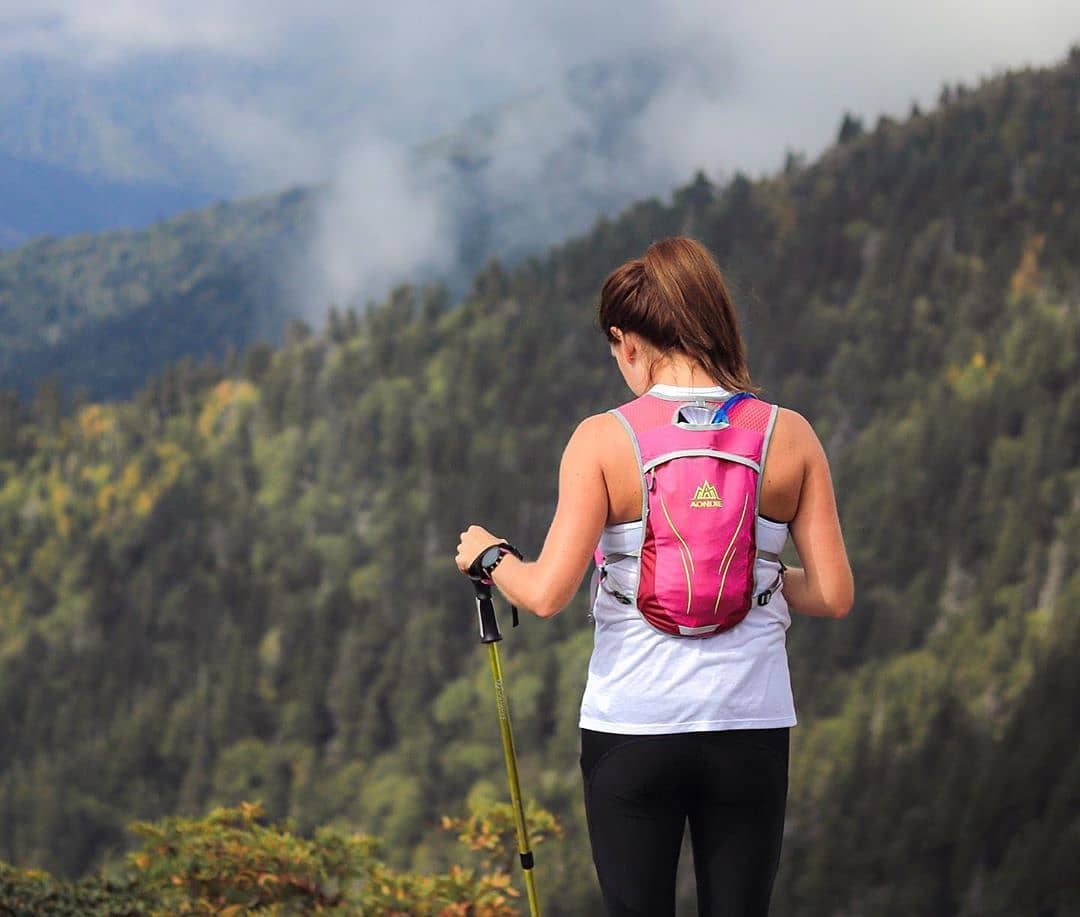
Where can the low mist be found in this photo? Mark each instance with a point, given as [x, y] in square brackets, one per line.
[445, 136]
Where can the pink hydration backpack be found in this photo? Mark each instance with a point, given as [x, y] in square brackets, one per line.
[700, 473]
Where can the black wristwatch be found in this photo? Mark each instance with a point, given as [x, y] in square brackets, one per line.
[486, 563]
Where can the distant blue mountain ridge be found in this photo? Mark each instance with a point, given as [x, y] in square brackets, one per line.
[41, 199]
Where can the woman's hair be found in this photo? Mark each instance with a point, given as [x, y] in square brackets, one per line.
[675, 297]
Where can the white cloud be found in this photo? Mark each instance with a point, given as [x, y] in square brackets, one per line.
[259, 146]
[344, 90]
[376, 228]
[415, 67]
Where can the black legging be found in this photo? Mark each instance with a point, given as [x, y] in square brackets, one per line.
[641, 790]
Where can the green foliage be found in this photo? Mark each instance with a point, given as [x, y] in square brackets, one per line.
[34, 893]
[490, 829]
[231, 862]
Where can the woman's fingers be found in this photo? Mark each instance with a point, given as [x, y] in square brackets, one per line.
[471, 542]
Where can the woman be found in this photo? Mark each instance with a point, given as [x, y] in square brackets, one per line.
[678, 730]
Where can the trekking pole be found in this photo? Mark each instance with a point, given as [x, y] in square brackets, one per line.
[489, 634]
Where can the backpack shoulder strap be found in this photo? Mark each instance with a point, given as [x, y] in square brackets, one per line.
[643, 413]
[749, 412]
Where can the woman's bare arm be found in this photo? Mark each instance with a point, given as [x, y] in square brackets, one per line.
[546, 586]
[823, 586]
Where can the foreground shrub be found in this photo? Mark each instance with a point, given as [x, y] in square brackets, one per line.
[233, 862]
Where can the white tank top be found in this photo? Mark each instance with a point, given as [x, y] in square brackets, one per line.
[644, 682]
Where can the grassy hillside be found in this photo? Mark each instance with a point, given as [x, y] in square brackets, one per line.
[240, 583]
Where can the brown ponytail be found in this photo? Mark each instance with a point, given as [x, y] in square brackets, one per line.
[675, 297]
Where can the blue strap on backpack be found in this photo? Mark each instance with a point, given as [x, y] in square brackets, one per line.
[721, 415]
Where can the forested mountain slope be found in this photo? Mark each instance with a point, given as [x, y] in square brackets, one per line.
[105, 312]
[508, 182]
[240, 584]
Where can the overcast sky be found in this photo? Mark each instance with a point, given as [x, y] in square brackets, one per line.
[746, 82]
[759, 77]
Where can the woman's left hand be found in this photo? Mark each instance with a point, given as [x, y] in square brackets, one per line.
[474, 540]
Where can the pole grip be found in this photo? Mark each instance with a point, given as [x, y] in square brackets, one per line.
[485, 610]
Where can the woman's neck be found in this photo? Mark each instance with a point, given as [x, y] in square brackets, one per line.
[682, 373]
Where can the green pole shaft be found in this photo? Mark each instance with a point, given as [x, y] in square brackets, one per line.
[524, 851]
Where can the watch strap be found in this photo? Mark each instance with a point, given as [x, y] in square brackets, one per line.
[504, 548]
[485, 572]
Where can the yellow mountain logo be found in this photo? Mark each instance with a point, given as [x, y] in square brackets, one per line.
[706, 496]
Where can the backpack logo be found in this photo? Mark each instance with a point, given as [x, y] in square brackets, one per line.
[706, 497]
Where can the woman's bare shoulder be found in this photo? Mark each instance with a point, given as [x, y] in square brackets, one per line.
[793, 434]
[600, 439]
[592, 433]
[598, 426]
